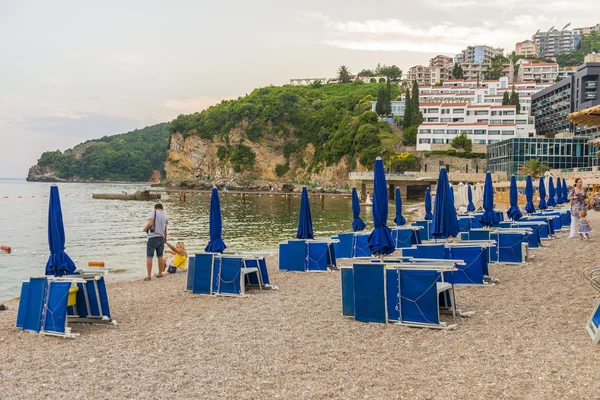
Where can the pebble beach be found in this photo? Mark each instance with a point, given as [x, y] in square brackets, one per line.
[525, 340]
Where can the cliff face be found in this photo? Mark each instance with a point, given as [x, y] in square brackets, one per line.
[193, 157]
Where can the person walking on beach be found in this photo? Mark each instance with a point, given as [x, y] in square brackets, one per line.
[156, 228]
[577, 197]
[584, 226]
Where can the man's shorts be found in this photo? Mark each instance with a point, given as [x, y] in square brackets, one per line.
[155, 243]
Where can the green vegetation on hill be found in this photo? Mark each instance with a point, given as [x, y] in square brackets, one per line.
[335, 118]
[126, 157]
[589, 43]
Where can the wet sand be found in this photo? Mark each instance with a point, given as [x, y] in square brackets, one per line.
[525, 340]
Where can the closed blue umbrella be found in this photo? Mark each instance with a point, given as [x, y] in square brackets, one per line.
[428, 215]
[399, 220]
[551, 193]
[380, 240]
[305, 230]
[59, 263]
[559, 192]
[565, 191]
[542, 189]
[489, 217]
[445, 221]
[216, 244]
[529, 207]
[357, 224]
[513, 212]
[471, 205]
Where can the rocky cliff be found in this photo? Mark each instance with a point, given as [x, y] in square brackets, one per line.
[193, 157]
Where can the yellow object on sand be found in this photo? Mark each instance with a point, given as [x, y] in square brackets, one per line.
[179, 261]
[72, 300]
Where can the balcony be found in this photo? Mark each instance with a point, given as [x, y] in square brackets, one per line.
[589, 96]
[591, 85]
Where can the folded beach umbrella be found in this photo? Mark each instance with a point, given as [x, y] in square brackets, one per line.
[513, 212]
[559, 192]
[59, 263]
[428, 215]
[399, 220]
[489, 217]
[542, 189]
[470, 206]
[551, 193]
[529, 207]
[380, 240]
[565, 191]
[357, 224]
[305, 229]
[216, 244]
[444, 223]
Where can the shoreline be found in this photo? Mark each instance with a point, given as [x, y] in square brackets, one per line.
[526, 339]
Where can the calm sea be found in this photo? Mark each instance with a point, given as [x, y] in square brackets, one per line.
[111, 230]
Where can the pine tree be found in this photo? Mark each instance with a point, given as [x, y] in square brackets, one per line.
[380, 107]
[505, 99]
[417, 116]
[406, 122]
[388, 100]
[514, 100]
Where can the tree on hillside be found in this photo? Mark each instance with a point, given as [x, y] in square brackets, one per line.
[408, 113]
[409, 136]
[380, 106]
[514, 100]
[344, 74]
[457, 72]
[505, 99]
[392, 72]
[366, 72]
[462, 142]
[495, 70]
[417, 116]
[533, 167]
[388, 98]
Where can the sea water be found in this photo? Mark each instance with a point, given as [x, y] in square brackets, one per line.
[111, 230]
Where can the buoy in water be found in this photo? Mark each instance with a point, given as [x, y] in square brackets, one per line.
[96, 264]
[6, 249]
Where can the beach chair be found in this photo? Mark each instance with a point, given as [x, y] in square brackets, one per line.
[424, 233]
[48, 304]
[314, 255]
[405, 237]
[592, 325]
[395, 292]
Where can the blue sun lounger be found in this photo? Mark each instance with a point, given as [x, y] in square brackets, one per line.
[227, 274]
[301, 255]
[48, 304]
[403, 294]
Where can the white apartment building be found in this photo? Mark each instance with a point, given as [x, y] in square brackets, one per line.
[530, 70]
[480, 54]
[471, 91]
[527, 48]
[554, 42]
[483, 124]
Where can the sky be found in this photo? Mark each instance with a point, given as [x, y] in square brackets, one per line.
[71, 71]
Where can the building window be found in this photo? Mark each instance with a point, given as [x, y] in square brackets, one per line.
[482, 112]
[521, 122]
[494, 132]
[507, 121]
[458, 111]
[508, 132]
[480, 132]
[446, 119]
[451, 131]
[438, 131]
[433, 110]
[495, 121]
[438, 141]
[467, 131]
[424, 130]
[509, 112]
[480, 141]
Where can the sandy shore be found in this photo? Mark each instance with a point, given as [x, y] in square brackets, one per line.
[526, 340]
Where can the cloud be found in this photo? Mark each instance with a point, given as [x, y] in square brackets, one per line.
[423, 47]
[508, 5]
[192, 105]
[74, 124]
